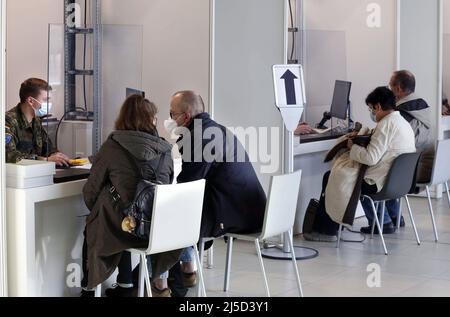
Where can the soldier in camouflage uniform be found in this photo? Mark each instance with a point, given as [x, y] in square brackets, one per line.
[25, 135]
[25, 140]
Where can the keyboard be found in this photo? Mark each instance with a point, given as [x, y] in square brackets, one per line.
[329, 135]
[70, 175]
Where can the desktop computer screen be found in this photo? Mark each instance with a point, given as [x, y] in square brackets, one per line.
[341, 99]
[131, 91]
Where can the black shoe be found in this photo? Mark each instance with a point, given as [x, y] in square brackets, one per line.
[118, 291]
[87, 293]
[402, 222]
[387, 229]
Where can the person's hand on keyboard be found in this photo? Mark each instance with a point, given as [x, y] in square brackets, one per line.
[303, 129]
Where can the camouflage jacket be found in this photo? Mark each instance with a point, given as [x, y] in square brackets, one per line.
[25, 140]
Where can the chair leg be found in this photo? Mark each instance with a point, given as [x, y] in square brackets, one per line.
[383, 213]
[373, 222]
[338, 244]
[261, 263]
[412, 219]
[98, 290]
[399, 217]
[210, 258]
[202, 250]
[141, 278]
[433, 220]
[201, 285]
[200, 263]
[380, 230]
[448, 192]
[226, 283]
[294, 261]
[146, 276]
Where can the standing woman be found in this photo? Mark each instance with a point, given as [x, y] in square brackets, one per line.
[134, 143]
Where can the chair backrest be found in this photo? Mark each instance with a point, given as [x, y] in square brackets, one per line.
[400, 177]
[441, 166]
[177, 215]
[281, 204]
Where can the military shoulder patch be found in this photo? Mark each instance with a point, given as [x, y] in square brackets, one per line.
[9, 138]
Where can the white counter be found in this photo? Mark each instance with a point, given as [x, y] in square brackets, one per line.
[309, 158]
[45, 236]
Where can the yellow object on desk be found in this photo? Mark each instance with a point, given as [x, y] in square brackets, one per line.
[78, 162]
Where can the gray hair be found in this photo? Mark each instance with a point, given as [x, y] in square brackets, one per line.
[405, 80]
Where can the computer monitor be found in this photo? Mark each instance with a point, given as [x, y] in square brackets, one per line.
[131, 91]
[341, 99]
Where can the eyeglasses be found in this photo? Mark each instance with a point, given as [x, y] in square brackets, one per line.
[175, 114]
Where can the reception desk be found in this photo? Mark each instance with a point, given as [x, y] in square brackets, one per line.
[45, 237]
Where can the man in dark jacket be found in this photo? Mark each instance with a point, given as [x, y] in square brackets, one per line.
[234, 198]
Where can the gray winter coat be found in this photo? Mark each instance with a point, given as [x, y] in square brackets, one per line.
[104, 236]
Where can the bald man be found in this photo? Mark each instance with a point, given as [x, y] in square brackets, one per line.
[234, 198]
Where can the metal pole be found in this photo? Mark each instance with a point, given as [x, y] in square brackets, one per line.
[98, 31]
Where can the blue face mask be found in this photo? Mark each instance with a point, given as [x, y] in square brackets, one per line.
[44, 110]
[373, 116]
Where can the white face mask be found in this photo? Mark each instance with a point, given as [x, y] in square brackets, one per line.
[44, 110]
[172, 128]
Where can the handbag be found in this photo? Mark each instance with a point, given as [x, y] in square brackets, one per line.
[139, 212]
[310, 216]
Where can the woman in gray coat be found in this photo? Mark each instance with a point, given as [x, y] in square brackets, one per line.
[135, 140]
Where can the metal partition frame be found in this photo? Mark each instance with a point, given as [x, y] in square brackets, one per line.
[3, 266]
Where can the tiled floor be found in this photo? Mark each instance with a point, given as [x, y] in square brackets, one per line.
[408, 270]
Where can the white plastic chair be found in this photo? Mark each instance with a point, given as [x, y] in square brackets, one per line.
[279, 219]
[440, 175]
[176, 221]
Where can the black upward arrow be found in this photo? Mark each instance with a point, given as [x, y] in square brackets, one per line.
[289, 79]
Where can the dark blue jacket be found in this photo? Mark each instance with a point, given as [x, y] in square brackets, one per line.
[234, 198]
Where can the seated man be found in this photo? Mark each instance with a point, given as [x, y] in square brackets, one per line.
[416, 111]
[25, 136]
[235, 201]
[392, 137]
[234, 198]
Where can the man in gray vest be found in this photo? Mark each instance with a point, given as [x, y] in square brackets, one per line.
[417, 112]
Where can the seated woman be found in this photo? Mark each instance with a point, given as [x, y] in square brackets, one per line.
[134, 143]
[392, 137]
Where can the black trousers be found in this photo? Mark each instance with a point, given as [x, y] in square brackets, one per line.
[126, 274]
[323, 223]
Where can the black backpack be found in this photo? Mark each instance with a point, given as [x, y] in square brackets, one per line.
[141, 208]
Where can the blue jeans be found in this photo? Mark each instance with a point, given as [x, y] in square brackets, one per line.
[392, 210]
[188, 255]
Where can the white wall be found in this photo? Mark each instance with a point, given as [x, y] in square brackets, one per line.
[340, 45]
[27, 41]
[3, 276]
[419, 52]
[248, 40]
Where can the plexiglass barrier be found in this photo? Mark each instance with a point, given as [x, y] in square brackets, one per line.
[114, 59]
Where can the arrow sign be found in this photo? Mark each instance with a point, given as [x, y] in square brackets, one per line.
[289, 81]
